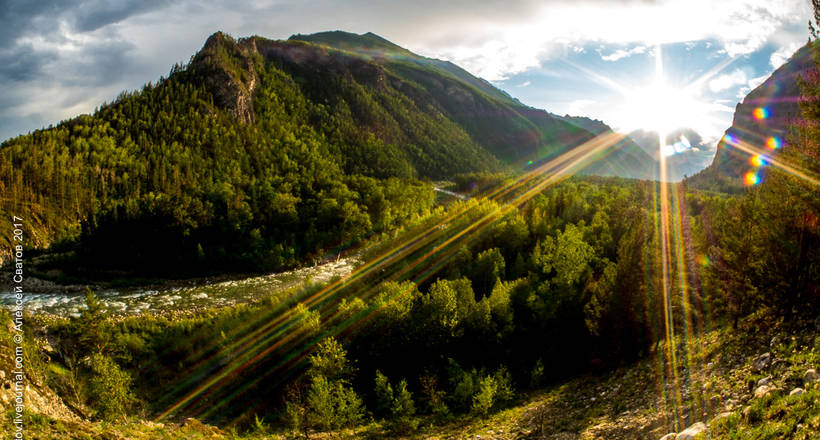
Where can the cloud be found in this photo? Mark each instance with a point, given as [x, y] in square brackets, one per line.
[751, 84]
[579, 106]
[620, 53]
[728, 80]
[780, 56]
[524, 84]
[61, 58]
[60, 48]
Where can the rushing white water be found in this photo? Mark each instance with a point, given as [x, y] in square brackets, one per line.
[198, 295]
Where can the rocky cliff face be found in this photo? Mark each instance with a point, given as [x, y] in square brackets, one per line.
[762, 122]
[227, 69]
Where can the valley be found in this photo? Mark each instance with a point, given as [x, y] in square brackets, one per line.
[331, 236]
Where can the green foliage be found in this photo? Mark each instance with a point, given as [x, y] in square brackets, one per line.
[330, 361]
[484, 398]
[329, 403]
[384, 395]
[537, 374]
[398, 406]
[109, 388]
[332, 405]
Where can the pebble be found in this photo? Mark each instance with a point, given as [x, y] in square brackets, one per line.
[810, 376]
[797, 392]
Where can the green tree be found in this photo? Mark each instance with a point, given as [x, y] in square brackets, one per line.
[109, 388]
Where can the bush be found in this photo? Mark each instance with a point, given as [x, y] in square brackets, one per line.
[384, 395]
[109, 388]
[484, 399]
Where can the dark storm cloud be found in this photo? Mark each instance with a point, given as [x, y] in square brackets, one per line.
[49, 21]
[101, 62]
[21, 62]
[94, 14]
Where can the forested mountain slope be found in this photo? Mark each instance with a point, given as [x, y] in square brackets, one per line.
[262, 152]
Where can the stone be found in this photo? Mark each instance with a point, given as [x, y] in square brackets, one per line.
[797, 392]
[765, 381]
[670, 436]
[691, 432]
[763, 390]
[810, 376]
[762, 362]
[775, 341]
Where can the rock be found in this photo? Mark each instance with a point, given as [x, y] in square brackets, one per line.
[810, 376]
[779, 364]
[691, 432]
[670, 436]
[775, 341]
[762, 362]
[797, 392]
[765, 381]
[763, 390]
[2, 374]
[723, 415]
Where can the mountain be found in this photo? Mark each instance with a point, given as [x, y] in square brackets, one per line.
[687, 153]
[260, 153]
[624, 159]
[761, 124]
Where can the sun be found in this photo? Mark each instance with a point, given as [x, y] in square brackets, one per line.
[662, 108]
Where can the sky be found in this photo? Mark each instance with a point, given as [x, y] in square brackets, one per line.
[595, 58]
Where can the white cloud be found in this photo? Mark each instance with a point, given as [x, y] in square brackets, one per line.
[780, 56]
[621, 53]
[754, 82]
[728, 80]
[751, 84]
[578, 107]
[524, 84]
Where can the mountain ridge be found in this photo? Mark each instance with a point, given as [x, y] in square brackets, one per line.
[777, 99]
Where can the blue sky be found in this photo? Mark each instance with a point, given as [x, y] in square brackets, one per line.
[594, 58]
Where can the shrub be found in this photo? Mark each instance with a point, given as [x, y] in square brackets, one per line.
[109, 388]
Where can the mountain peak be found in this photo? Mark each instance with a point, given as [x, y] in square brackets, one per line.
[367, 43]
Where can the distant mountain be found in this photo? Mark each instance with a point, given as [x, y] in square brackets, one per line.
[624, 159]
[593, 126]
[761, 123]
[687, 153]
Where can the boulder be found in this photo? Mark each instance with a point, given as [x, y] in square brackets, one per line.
[765, 381]
[763, 390]
[691, 432]
[724, 415]
[762, 362]
[670, 436]
[797, 392]
[810, 376]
